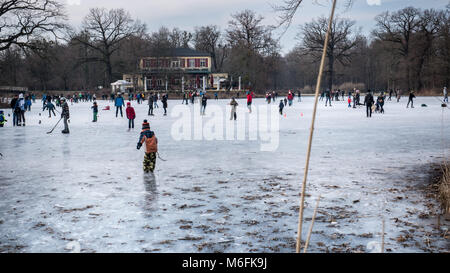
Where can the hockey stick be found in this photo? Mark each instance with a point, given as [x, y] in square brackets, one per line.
[160, 157]
[55, 126]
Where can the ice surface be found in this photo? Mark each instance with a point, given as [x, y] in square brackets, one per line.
[88, 188]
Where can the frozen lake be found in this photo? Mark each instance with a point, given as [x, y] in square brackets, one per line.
[87, 189]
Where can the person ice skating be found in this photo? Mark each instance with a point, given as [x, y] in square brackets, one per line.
[151, 147]
[349, 102]
[204, 102]
[13, 108]
[445, 94]
[2, 119]
[28, 103]
[399, 95]
[290, 98]
[155, 101]
[299, 95]
[20, 110]
[249, 101]
[380, 100]
[411, 99]
[95, 111]
[234, 106]
[51, 109]
[390, 95]
[327, 97]
[65, 115]
[119, 103]
[216, 96]
[164, 102]
[131, 115]
[368, 101]
[281, 107]
[150, 105]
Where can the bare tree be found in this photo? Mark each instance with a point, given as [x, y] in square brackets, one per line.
[206, 39]
[340, 43]
[399, 28]
[245, 30]
[289, 8]
[106, 29]
[180, 38]
[22, 21]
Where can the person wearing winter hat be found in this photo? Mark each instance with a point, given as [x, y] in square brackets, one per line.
[20, 110]
[66, 115]
[151, 147]
[131, 115]
[95, 111]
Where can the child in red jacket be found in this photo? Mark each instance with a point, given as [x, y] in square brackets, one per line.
[349, 102]
[131, 115]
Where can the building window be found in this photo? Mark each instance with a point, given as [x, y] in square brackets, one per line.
[203, 63]
[159, 82]
[191, 62]
[146, 63]
[175, 64]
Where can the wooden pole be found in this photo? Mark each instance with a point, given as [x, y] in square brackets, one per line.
[308, 154]
[382, 238]
[312, 224]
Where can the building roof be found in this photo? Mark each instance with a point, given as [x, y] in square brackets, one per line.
[183, 52]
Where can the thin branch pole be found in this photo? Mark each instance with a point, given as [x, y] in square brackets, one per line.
[312, 224]
[308, 155]
[382, 238]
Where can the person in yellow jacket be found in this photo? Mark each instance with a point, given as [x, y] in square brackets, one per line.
[2, 119]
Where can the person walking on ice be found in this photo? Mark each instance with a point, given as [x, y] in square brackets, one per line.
[368, 101]
[65, 115]
[411, 99]
[131, 115]
[95, 111]
[150, 105]
[234, 106]
[119, 103]
[204, 102]
[445, 95]
[281, 106]
[165, 97]
[249, 101]
[151, 147]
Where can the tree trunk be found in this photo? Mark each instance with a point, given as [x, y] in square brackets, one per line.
[330, 71]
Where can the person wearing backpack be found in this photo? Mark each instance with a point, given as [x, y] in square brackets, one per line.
[151, 147]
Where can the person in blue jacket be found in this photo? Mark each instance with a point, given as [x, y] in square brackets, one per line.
[28, 103]
[119, 103]
[51, 109]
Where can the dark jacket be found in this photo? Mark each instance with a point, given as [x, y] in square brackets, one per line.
[368, 100]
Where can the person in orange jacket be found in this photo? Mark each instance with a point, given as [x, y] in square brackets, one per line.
[151, 147]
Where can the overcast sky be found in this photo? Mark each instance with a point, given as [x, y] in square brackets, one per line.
[186, 14]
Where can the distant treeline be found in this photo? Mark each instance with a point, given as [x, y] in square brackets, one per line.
[408, 49]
